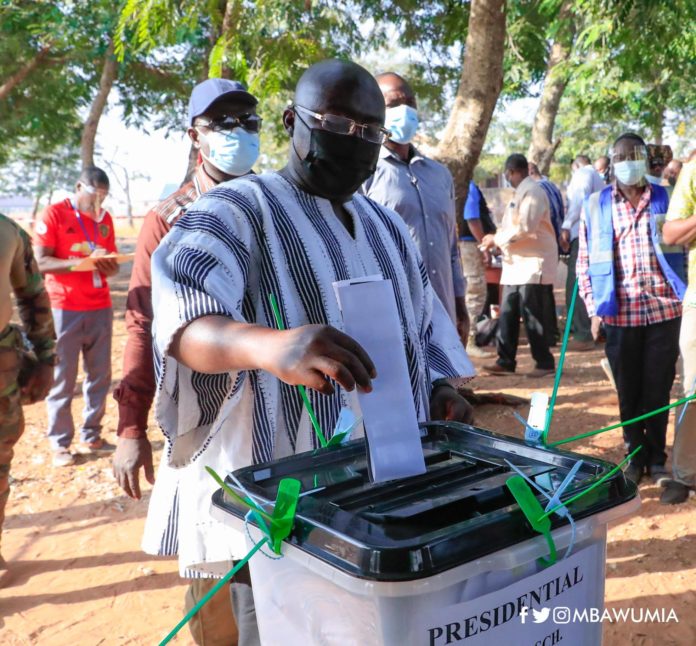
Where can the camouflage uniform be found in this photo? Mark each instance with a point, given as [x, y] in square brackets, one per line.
[19, 273]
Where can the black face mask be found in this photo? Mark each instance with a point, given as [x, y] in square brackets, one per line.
[336, 165]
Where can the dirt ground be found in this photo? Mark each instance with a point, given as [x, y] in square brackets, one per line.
[77, 574]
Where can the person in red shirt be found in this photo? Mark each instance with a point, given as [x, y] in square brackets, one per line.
[76, 228]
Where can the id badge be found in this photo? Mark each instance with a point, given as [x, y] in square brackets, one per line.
[96, 279]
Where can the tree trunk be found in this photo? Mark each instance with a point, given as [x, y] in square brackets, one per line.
[193, 151]
[39, 192]
[24, 71]
[129, 202]
[106, 82]
[479, 87]
[230, 25]
[658, 128]
[542, 147]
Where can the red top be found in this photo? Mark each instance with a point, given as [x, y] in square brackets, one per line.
[60, 229]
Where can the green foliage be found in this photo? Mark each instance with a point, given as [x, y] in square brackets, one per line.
[34, 171]
[637, 59]
[266, 47]
[633, 62]
[43, 108]
[47, 107]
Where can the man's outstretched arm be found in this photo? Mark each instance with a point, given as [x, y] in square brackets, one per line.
[306, 355]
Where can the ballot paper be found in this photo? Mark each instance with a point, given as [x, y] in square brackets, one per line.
[370, 316]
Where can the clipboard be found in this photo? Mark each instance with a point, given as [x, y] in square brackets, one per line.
[89, 263]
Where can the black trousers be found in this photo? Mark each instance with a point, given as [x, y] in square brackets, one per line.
[582, 326]
[643, 360]
[531, 303]
[550, 317]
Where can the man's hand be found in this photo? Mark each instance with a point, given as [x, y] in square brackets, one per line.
[309, 354]
[564, 240]
[447, 404]
[38, 384]
[488, 242]
[130, 455]
[596, 327]
[107, 266]
[463, 321]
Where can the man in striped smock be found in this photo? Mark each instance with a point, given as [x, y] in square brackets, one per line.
[226, 377]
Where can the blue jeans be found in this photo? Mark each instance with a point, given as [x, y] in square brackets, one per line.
[87, 333]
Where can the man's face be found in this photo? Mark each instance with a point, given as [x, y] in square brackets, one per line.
[396, 92]
[215, 115]
[513, 177]
[628, 150]
[657, 168]
[601, 166]
[671, 172]
[89, 199]
[333, 101]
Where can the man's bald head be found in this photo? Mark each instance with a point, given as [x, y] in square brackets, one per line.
[341, 87]
[671, 172]
[396, 90]
[325, 159]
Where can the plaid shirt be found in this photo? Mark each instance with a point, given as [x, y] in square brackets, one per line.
[643, 295]
[172, 207]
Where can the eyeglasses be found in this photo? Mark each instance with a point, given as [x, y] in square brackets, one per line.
[103, 193]
[250, 122]
[345, 126]
[639, 153]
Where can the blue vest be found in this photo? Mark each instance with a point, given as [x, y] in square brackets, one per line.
[600, 244]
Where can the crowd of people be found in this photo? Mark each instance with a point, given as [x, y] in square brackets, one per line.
[356, 198]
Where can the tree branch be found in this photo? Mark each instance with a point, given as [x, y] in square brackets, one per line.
[24, 71]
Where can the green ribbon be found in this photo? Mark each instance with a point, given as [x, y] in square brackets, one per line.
[279, 523]
[540, 519]
[561, 362]
[594, 485]
[626, 423]
[534, 513]
[211, 593]
[303, 393]
[277, 527]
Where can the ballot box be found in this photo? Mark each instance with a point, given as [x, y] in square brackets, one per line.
[446, 557]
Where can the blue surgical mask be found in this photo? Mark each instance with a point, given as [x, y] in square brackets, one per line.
[234, 152]
[630, 172]
[402, 122]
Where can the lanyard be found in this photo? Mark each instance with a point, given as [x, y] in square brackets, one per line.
[92, 243]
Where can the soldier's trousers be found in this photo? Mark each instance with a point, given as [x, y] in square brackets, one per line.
[11, 418]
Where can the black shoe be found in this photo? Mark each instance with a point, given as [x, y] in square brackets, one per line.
[674, 492]
[634, 472]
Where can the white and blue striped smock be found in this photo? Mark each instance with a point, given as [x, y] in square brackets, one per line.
[235, 245]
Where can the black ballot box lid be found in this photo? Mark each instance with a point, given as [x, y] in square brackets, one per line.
[458, 511]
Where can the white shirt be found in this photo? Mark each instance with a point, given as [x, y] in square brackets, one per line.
[527, 238]
[235, 245]
[585, 181]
